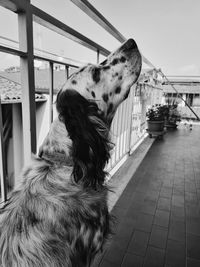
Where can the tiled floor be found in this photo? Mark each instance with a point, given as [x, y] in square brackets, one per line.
[158, 214]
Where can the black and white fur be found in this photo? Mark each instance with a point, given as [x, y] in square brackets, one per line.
[58, 216]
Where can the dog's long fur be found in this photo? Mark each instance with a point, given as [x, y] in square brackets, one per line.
[58, 217]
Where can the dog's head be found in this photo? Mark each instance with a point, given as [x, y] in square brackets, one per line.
[108, 84]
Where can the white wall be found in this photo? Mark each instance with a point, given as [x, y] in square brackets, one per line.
[15, 148]
[43, 119]
[17, 141]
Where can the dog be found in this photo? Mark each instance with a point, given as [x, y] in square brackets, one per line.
[58, 216]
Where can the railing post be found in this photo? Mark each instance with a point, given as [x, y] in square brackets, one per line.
[130, 120]
[25, 23]
[97, 56]
[2, 161]
[51, 80]
[67, 72]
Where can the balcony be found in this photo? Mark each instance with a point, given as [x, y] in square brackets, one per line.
[156, 182]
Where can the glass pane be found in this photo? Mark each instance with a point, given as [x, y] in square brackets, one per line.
[52, 45]
[8, 28]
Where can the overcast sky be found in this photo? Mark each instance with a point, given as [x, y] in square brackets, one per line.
[167, 31]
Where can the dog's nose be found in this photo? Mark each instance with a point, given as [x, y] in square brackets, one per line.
[130, 44]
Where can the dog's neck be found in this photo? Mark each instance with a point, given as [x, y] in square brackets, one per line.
[57, 145]
[57, 158]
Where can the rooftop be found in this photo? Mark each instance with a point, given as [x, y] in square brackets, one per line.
[10, 92]
[182, 88]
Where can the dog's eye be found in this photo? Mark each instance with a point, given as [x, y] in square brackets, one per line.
[106, 67]
[122, 59]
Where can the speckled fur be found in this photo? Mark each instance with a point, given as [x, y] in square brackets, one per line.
[58, 216]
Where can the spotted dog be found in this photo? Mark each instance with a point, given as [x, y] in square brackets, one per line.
[58, 216]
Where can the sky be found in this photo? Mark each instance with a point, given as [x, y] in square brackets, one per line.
[167, 31]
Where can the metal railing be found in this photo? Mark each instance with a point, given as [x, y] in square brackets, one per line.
[129, 124]
[123, 127]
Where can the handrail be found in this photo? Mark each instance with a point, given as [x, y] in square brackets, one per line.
[19, 53]
[92, 12]
[65, 61]
[12, 51]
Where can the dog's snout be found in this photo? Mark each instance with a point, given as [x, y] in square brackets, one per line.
[130, 44]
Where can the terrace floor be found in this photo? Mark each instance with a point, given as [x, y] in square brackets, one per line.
[158, 213]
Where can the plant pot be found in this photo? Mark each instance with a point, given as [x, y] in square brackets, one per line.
[170, 125]
[155, 126]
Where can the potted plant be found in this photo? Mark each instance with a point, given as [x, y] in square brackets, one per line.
[155, 119]
[172, 116]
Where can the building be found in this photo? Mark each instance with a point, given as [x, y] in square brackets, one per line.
[188, 88]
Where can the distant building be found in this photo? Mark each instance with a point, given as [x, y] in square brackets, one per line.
[189, 89]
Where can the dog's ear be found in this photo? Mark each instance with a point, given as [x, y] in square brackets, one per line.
[89, 134]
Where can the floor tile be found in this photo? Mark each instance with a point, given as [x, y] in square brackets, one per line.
[105, 263]
[193, 226]
[138, 243]
[114, 255]
[164, 204]
[144, 222]
[166, 191]
[175, 254]
[161, 218]
[192, 263]
[154, 257]
[158, 237]
[131, 260]
[177, 231]
[177, 213]
[178, 200]
[193, 246]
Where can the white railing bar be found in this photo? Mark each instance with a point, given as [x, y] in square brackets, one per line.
[97, 56]
[126, 126]
[59, 27]
[2, 161]
[114, 132]
[25, 23]
[124, 130]
[12, 51]
[93, 13]
[43, 58]
[67, 72]
[15, 52]
[129, 121]
[51, 81]
[119, 126]
[71, 62]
